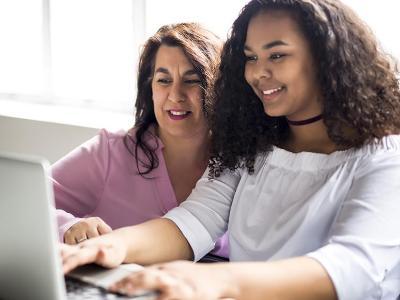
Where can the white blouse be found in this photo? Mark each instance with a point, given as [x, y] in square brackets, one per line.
[342, 209]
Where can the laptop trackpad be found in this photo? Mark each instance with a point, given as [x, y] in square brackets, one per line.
[102, 277]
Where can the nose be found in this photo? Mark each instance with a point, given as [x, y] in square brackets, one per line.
[176, 93]
[262, 70]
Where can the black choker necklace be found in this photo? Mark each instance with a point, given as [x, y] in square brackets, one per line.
[305, 122]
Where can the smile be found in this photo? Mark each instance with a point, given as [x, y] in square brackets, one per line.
[178, 112]
[271, 91]
[177, 115]
[272, 94]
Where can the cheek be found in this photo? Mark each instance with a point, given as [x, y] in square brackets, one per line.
[249, 78]
[158, 108]
[304, 82]
[247, 74]
[196, 96]
[157, 99]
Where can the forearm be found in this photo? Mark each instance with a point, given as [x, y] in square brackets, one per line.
[296, 278]
[155, 241]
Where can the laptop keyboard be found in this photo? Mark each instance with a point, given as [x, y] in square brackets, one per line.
[79, 290]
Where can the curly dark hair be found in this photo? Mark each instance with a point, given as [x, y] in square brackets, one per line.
[358, 82]
[203, 49]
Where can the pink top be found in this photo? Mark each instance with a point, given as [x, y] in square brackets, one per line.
[100, 178]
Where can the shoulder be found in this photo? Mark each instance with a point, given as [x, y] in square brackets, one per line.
[104, 141]
[387, 144]
[126, 137]
[385, 148]
[93, 154]
[111, 135]
[382, 154]
[149, 138]
[99, 146]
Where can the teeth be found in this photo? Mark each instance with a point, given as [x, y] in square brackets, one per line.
[178, 113]
[269, 92]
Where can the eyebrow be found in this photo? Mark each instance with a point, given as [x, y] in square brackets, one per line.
[269, 45]
[165, 71]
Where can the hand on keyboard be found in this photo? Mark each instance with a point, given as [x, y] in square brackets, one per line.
[177, 280]
[104, 251]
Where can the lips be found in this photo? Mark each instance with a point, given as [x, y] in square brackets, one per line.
[272, 93]
[177, 115]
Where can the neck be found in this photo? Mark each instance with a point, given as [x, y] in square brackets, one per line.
[186, 150]
[305, 121]
[311, 137]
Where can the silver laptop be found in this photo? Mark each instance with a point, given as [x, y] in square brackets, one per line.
[30, 264]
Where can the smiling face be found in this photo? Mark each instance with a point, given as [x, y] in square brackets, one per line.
[177, 95]
[280, 66]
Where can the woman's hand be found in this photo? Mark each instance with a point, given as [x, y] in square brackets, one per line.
[108, 251]
[86, 229]
[178, 280]
[295, 278]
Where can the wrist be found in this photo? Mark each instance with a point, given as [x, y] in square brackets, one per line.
[120, 241]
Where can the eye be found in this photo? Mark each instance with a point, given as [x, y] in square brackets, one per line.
[164, 80]
[193, 81]
[276, 56]
[250, 58]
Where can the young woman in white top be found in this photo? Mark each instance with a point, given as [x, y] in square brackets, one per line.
[305, 170]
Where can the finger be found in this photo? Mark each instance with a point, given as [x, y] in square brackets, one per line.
[109, 257]
[65, 250]
[69, 238]
[80, 237]
[135, 283]
[166, 285]
[76, 233]
[128, 288]
[92, 232]
[79, 256]
[103, 228]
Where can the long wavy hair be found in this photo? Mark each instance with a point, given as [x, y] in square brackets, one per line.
[203, 49]
[360, 91]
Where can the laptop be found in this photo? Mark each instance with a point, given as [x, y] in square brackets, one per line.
[30, 264]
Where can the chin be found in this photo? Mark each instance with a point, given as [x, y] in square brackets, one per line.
[179, 133]
[273, 112]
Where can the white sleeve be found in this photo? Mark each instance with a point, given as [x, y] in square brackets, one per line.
[203, 217]
[362, 255]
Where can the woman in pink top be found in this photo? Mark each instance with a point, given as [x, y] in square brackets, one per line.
[123, 178]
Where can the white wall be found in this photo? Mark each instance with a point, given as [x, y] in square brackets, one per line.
[45, 139]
